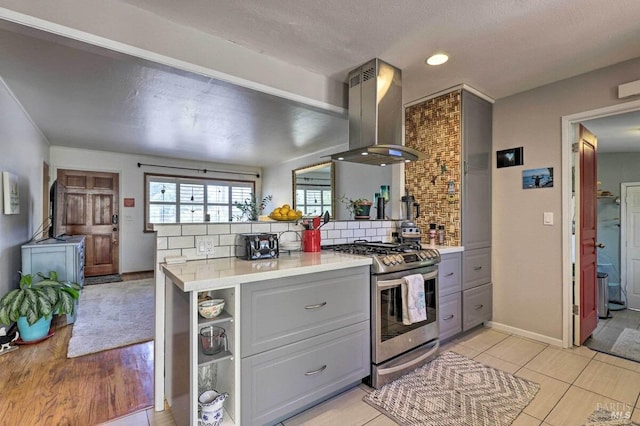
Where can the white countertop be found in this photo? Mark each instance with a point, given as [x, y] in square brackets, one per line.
[203, 275]
[444, 249]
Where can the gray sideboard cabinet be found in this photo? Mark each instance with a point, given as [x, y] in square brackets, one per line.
[63, 255]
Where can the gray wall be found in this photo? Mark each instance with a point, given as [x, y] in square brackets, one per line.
[527, 256]
[23, 151]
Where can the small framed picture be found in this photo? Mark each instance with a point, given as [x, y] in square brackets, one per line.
[510, 157]
[11, 193]
[537, 178]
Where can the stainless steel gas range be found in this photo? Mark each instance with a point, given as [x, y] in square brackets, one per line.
[397, 348]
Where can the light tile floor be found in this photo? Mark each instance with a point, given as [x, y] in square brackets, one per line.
[573, 383]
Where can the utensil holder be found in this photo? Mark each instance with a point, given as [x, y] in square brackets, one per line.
[311, 240]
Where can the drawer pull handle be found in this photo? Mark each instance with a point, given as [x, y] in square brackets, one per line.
[477, 268]
[449, 274]
[319, 305]
[448, 318]
[319, 370]
[478, 307]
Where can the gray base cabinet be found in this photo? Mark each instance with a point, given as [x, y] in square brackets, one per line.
[450, 299]
[450, 321]
[282, 381]
[303, 339]
[476, 306]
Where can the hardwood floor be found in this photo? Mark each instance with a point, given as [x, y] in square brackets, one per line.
[40, 386]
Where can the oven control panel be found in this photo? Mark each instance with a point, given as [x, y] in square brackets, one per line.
[401, 261]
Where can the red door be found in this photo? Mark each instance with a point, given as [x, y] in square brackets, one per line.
[588, 145]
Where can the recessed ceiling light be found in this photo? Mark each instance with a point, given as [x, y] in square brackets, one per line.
[340, 158]
[382, 165]
[437, 59]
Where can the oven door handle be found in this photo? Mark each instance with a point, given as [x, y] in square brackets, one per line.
[395, 283]
[416, 361]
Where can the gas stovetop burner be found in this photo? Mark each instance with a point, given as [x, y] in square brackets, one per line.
[390, 257]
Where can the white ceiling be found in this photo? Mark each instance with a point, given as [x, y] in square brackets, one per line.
[85, 96]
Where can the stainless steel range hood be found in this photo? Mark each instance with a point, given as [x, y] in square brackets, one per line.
[375, 117]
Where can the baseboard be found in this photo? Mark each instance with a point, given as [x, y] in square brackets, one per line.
[524, 333]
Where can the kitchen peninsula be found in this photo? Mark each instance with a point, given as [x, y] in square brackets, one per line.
[297, 328]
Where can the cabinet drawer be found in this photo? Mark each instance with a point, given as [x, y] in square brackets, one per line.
[450, 274]
[476, 306]
[277, 384]
[476, 267]
[282, 311]
[450, 315]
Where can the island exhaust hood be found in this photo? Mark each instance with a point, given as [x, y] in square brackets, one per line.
[375, 117]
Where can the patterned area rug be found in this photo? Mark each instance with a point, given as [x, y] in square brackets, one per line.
[602, 417]
[113, 315]
[101, 279]
[628, 344]
[454, 390]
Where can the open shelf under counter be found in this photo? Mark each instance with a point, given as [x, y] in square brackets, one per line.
[204, 359]
[223, 317]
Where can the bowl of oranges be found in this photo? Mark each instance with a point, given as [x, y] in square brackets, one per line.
[285, 213]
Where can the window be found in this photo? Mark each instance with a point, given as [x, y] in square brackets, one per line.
[313, 202]
[173, 199]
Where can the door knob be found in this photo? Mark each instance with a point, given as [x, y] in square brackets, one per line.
[600, 245]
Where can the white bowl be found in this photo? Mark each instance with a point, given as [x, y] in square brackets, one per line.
[290, 246]
[211, 308]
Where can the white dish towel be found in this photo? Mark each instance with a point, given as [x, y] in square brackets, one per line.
[414, 306]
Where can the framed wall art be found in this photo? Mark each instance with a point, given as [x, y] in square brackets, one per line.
[10, 193]
[537, 178]
[510, 157]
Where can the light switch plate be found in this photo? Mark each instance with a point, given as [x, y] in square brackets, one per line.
[547, 218]
[204, 245]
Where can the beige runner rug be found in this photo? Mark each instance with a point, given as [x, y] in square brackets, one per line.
[113, 315]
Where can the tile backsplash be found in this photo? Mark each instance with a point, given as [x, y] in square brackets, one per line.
[180, 239]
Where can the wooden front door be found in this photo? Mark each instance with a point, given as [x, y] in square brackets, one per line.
[588, 297]
[88, 204]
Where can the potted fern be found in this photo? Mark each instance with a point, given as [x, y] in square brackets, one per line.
[34, 302]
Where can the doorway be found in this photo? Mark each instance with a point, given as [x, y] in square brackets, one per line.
[87, 203]
[569, 194]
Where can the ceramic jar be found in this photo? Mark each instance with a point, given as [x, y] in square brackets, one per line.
[211, 405]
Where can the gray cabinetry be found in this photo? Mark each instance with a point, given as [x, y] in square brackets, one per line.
[477, 267]
[477, 306]
[450, 299]
[449, 274]
[279, 312]
[476, 115]
[65, 256]
[278, 382]
[476, 137]
[303, 339]
[450, 320]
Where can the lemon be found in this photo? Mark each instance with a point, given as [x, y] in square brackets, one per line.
[286, 206]
[292, 214]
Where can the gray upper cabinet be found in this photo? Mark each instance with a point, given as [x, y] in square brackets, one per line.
[476, 177]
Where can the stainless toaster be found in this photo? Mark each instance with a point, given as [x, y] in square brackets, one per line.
[257, 246]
